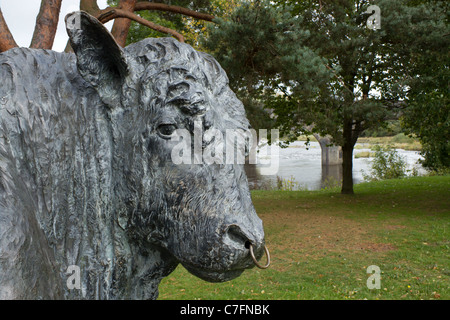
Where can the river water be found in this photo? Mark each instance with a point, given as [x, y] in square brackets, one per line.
[304, 166]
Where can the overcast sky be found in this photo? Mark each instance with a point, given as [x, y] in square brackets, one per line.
[20, 15]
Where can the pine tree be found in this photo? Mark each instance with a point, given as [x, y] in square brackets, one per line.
[318, 65]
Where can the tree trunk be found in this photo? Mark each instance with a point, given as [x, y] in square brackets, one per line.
[347, 159]
[122, 25]
[175, 9]
[46, 24]
[347, 170]
[6, 39]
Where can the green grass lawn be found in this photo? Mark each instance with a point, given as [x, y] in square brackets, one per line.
[322, 242]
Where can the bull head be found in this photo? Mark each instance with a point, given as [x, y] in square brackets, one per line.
[198, 214]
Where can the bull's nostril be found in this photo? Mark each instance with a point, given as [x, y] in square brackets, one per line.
[236, 234]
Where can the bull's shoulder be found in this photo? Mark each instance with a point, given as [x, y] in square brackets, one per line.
[38, 77]
[37, 87]
[41, 96]
[30, 95]
[34, 60]
[36, 63]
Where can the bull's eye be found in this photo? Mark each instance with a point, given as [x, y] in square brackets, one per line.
[165, 130]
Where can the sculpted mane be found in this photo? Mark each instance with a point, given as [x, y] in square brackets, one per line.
[156, 56]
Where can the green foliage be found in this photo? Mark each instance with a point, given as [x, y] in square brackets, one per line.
[258, 116]
[387, 129]
[330, 183]
[427, 115]
[402, 138]
[368, 66]
[288, 184]
[138, 32]
[387, 164]
[260, 46]
[428, 118]
[316, 63]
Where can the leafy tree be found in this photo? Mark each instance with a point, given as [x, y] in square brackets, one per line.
[261, 48]
[317, 65]
[427, 115]
[387, 164]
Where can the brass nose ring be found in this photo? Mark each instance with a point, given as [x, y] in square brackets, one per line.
[256, 261]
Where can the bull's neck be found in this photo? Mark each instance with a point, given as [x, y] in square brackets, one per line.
[146, 267]
[90, 231]
[113, 264]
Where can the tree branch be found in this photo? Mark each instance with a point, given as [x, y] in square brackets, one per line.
[46, 24]
[90, 6]
[342, 82]
[6, 39]
[176, 9]
[124, 13]
[113, 13]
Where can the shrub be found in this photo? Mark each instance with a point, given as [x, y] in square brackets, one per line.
[289, 184]
[387, 164]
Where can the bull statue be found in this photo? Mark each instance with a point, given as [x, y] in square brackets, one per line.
[87, 179]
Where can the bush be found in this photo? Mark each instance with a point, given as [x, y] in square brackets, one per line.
[331, 182]
[402, 138]
[387, 164]
[289, 184]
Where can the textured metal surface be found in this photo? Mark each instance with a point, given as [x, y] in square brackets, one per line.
[86, 176]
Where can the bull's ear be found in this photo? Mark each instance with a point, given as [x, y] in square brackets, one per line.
[100, 60]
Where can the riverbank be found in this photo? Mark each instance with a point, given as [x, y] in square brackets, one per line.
[300, 168]
[322, 243]
[399, 141]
